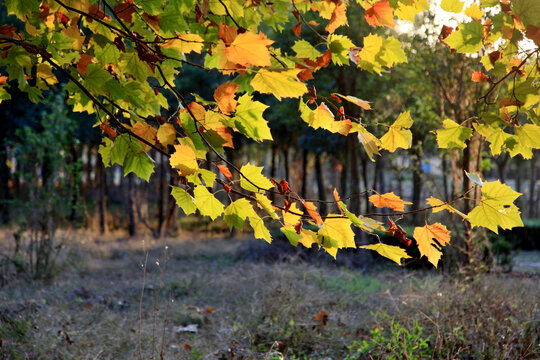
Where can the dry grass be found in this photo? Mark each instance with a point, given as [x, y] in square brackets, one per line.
[253, 310]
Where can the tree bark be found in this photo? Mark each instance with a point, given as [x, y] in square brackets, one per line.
[320, 183]
[352, 150]
[130, 208]
[162, 195]
[304, 173]
[102, 200]
[532, 186]
[4, 185]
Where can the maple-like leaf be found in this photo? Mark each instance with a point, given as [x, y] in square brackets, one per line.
[356, 101]
[479, 76]
[529, 135]
[183, 200]
[257, 180]
[249, 120]
[146, 132]
[266, 204]
[453, 135]
[207, 203]
[390, 200]
[250, 49]
[380, 14]
[291, 234]
[394, 253]
[259, 229]
[398, 135]
[364, 223]
[186, 43]
[166, 134]
[237, 212]
[308, 238]
[424, 237]
[474, 12]
[468, 39]
[224, 96]
[338, 17]
[280, 83]
[369, 141]
[454, 6]
[289, 217]
[184, 159]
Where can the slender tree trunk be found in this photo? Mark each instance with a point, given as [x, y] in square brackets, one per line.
[320, 182]
[518, 174]
[285, 153]
[4, 185]
[172, 211]
[418, 179]
[102, 200]
[162, 194]
[352, 150]
[130, 205]
[364, 163]
[446, 192]
[532, 188]
[304, 173]
[273, 166]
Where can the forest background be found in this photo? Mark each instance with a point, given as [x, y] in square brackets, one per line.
[53, 178]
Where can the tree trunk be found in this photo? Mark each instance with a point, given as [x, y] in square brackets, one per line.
[273, 167]
[418, 180]
[352, 150]
[285, 152]
[320, 183]
[130, 205]
[518, 174]
[365, 180]
[532, 188]
[102, 200]
[4, 185]
[162, 194]
[304, 173]
[446, 192]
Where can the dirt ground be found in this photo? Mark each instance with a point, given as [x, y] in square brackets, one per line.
[213, 298]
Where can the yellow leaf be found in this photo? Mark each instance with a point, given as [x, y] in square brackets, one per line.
[390, 200]
[45, 73]
[75, 33]
[266, 204]
[166, 134]
[362, 103]
[308, 238]
[338, 229]
[280, 83]
[259, 229]
[394, 253]
[370, 142]
[474, 12]
[186, 43]
[224, 96]
[424, 237]
[454, 6]
[291, 219]
[398, 135]
[439, 205]
[249, 49]
[184, 160]
[372, 47]
[529, 135]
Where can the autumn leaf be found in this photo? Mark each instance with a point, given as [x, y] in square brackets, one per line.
[424, 237]
[224, 96]
[479, 76]
[207, 203]
[439, 205]
[390, 200]
[380, 14]
[394, 253]
[453, 135]
[250, 49]
[184, 159]
[183, 200]
[186, 43]
[146, 132]
[352, 99]
[338, 17]
[312, 211]
[166, 134]
[280, 83]
[225, 171]
[257, 180]
[398, 135]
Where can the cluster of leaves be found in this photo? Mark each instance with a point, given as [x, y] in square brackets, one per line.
[122, 58]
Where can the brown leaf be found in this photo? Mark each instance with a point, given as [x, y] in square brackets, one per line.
[227, 33]
[125, 12]
[398, 232]
[83, 63]
[479, 76]
[152, 20]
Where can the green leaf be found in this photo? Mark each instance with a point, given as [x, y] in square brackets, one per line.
[139, 163]
[96, 77]
[258, 180]
[453, 136]
[207, 203]
[291, 234]
[394, 253]
[304, 49]
[362, 222]
[249, 119]
[468, 39]
[131, 64]
[21, 8]
[392, 52]
[237, 212]
[339, 46]
[124, 145]
[183, 200]
[528, 10]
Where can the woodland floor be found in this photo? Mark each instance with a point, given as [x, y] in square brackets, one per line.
[211, 300]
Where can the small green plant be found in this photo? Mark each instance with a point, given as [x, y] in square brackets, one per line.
[396, 343]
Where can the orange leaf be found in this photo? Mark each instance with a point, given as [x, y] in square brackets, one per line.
[380, 14]
[479, 76]
[109, 131]
[152, 20]
[224, 96]
[146, 132]
[337, 198]
[533, 33]
[83, 63]
[3, 79]
[297, 29]
[338, 18]
[225, 171]
[510, 102]
[250, 49]
[312, 211]
[227, 33]
[398, 232]
[424, 237]
[322, 317]
[390, 200]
